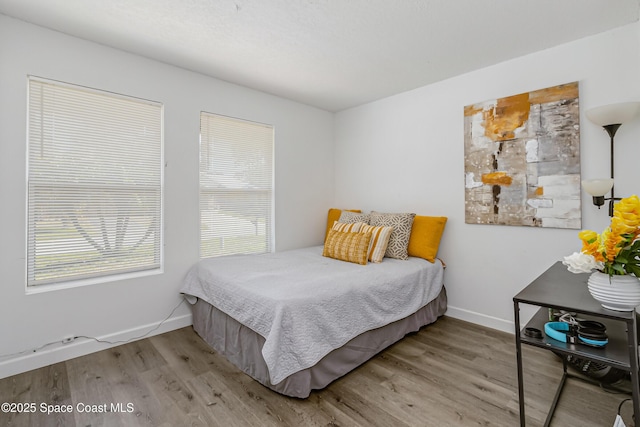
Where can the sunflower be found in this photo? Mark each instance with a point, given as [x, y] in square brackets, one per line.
[617, 249]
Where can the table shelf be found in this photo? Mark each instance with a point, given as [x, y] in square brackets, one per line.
[561, 290]
[615, 353]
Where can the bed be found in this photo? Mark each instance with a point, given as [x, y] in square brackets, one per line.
[296, 320]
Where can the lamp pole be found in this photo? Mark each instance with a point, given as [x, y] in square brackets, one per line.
[611, 130]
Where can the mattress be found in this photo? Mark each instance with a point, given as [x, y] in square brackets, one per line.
[243, 347]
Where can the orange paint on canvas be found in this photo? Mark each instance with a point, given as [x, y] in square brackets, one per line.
[496, 178]
[508, 115]
[539, 191]
[554, 94]
[470, 110]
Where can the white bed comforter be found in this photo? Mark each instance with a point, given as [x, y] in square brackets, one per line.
[306, 305]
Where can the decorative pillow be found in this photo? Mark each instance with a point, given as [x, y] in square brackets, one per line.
[348, 228]
[379, 240]
[425, 236]
[351, 247]
[399, 239]
[333, 216]
[349, 217]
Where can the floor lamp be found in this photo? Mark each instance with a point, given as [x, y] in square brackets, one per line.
[610, 117]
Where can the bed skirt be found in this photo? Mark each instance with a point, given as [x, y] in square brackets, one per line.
[242, 346]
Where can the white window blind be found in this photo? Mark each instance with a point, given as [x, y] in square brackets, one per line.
[94, 183]
[236, 186]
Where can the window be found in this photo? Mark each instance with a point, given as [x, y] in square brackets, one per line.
[236, 186]
[94, 184]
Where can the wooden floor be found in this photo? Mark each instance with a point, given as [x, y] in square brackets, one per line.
[451, 373]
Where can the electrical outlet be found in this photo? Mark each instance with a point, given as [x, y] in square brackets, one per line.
[67, 340]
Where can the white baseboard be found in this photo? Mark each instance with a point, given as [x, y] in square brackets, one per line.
[82, 346]
[481, 319]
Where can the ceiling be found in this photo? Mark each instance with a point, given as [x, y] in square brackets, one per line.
[331, 54]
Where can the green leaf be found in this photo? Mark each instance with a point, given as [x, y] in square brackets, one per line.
[633, 269]
[619, 268]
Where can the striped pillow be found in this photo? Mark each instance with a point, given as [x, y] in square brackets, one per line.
[332, 216]
[351, 247]
[379, 240]
[348, 228]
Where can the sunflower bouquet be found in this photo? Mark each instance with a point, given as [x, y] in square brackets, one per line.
[616, 251]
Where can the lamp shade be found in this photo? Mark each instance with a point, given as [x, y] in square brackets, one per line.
[614, 113]
[597, 187]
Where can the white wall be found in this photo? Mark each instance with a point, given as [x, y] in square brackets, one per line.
[406, 153]
[119, 310]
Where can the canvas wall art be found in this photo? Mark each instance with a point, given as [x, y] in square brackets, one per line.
[522, 159]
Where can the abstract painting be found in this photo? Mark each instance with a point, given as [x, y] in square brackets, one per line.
[522, 159]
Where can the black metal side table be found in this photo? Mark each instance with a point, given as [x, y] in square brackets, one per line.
[559, 289]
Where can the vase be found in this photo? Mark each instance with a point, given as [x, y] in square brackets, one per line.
[619, 293]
